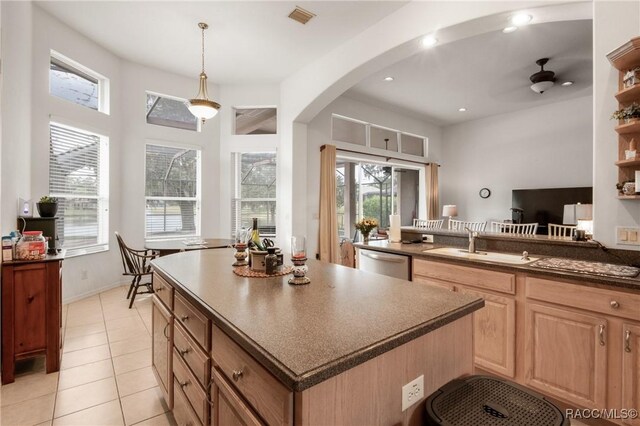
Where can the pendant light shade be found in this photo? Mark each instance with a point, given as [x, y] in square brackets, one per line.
[201, 106]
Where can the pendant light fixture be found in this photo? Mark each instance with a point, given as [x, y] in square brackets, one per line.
[201, 106]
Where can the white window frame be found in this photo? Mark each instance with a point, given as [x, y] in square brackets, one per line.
[103, 82]
[102, 197]
[233, 118]
[368, 149]
[197, 198]
[363, 159]
[175, 98]
[236, 188]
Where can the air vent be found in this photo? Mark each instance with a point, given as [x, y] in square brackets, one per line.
[301, 15]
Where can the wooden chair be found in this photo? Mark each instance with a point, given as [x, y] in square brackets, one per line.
[460, 225]
[428, 224]
[136, 265]
[514, 228]
[555, 230]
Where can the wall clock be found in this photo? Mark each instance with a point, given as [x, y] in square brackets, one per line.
[485, 193]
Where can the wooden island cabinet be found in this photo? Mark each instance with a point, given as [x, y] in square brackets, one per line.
[226, 352]
[576, 341]
[31, 313]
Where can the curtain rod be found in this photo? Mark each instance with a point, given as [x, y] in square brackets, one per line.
[380, 156]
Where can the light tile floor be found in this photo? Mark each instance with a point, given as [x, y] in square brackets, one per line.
[105, 376]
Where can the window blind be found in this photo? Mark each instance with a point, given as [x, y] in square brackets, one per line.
[74, 178]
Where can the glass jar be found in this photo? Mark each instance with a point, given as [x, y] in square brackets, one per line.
[32, 246]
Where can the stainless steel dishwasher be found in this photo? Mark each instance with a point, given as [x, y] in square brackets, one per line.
[391, 265]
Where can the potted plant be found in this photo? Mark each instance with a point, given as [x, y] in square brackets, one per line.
[47, 206]
[365, 226]
[633, 113]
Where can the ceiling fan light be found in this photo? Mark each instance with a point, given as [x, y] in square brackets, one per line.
[541, 86]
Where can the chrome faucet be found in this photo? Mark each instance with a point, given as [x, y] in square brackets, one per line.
[472, 239]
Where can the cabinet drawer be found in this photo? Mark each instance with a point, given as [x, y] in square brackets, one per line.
[163, 290]
[475, 277]
[270, 398]
[192, 320]
[189, 385]
[432, 282]
[229, 409]
[192, 355]
[182, 411]
[593, 299]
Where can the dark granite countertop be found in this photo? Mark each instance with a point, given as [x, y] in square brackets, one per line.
[49, 258]
[307, 334]
[418, 250]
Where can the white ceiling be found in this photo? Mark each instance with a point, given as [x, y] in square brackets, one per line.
[247, 41]
[487, 74]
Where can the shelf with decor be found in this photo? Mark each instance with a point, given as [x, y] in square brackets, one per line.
[626, 59]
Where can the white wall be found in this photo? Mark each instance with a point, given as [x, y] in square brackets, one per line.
[542, 147]
[233, 96]
[319, 133]
[614, 24]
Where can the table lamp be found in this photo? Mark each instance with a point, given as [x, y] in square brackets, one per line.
[450, 210]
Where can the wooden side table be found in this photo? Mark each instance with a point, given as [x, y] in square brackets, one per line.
[31, 313]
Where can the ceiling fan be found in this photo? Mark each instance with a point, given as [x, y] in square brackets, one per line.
[543, 79]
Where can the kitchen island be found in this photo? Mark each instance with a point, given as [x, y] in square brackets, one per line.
[336, 351]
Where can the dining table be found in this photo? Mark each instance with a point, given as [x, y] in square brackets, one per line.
[165, 247]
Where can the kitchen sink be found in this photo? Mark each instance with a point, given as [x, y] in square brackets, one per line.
[513, 259]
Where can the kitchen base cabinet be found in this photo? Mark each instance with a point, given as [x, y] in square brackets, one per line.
[494, 332]
[31, 313]
[162, 346]
[567, 354]
[631, 369]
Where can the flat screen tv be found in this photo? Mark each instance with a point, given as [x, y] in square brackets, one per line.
[547, 205]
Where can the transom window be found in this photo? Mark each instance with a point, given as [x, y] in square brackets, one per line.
[163, 110]
[356, 132]
[79, 178]
[172, 192]
[254, 192]
[76, 83]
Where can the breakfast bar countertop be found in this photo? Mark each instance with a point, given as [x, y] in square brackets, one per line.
[306, 334]
[421, 250]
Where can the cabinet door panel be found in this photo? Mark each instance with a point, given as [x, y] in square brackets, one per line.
[30, 308]
[494, 333]
[161, 354]
[631, 369]
[566, 354]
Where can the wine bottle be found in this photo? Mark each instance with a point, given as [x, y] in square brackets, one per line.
[255, 235]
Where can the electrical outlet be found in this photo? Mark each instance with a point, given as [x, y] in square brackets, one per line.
[628, 235]
[426, 238]
[412, 392]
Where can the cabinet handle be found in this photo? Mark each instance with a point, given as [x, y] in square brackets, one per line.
[614, 304]
[183, 352]
[159, 289]
[184, 317]
[30, 299]
[237, 374]
[601, 334]
[185, 384]
[627, 341]
[165, 331]
[209, 392]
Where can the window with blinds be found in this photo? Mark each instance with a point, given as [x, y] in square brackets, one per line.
[78, 177]
[172, 192]
[254, 192]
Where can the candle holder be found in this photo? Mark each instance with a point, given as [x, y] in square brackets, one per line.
[299, 260]
[240, 255]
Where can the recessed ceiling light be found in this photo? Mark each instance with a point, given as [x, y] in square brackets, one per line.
[429, 41]
[521, 19]
[462, 109]
[388, 78]
[567, 83]
[510, 29]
